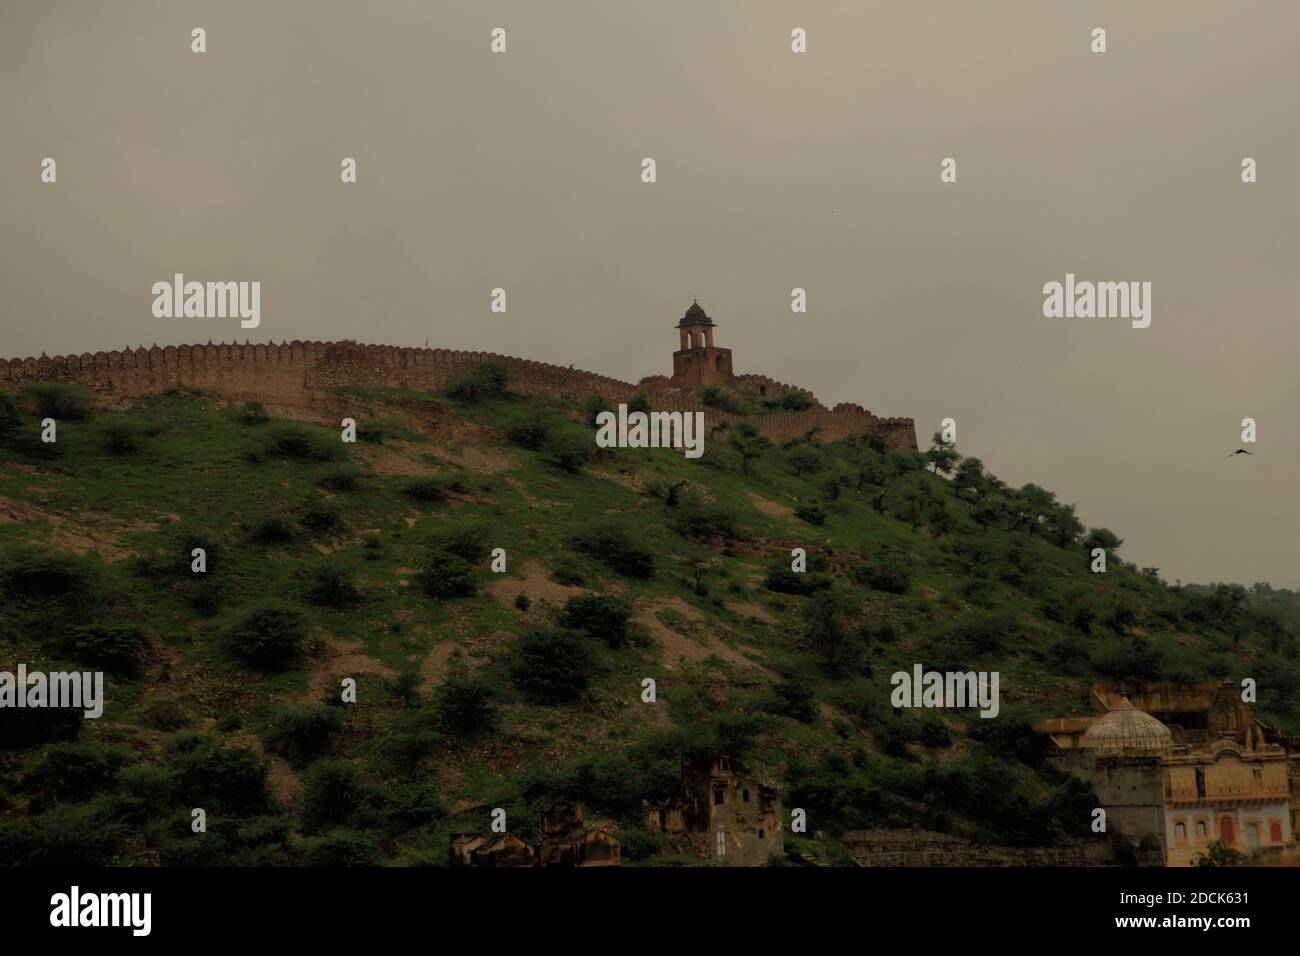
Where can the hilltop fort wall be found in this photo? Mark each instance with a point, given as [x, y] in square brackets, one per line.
[284, 375]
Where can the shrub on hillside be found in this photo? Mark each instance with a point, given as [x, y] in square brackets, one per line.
[986, 633]
[230, 779]
[301, 731]
[794, 699]
[342, 848]
[271, 529]
[702, 522]
[599, 615]
[332, 586]
[568, 574]
[464, 706]
[881, 577]
[811, 513]
[636, 844]
[75, 771]
[33, 571]
[253, 413]
[65, 835]
[531, 433]
[480, 383]
[320, 517]
[553, 666]
[714, 397]
[269, 637]
[30, 727]
[342, 479]
[426, 490]
[593, 405]
[413, 805]
[805, 460]
[893, 734]
[447, 575]
[838, 647]
[785, 581]
[11, 420]
[372, 433]
[122, 436]
[58, 400]
[112, 645]
[468, 543]
[299, 443]
[569, 453]
[613, 547]
[332, 793]
[1134, 660]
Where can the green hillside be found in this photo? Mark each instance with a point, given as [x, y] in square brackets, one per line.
[477, 689]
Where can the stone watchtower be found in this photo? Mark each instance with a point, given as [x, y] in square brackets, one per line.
[698, 362]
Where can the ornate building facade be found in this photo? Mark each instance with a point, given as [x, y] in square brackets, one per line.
[1180, 766]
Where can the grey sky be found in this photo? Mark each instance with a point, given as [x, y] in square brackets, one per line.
[775, 170]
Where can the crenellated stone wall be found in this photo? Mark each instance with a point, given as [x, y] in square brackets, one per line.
[285, 374]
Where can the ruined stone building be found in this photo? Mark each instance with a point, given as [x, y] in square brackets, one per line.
[722, 815]
[491, 849]
[1177, 766]
[566, 841]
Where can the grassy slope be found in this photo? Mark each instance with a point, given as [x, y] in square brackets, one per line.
[200, 471]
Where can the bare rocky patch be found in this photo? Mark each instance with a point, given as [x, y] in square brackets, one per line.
[536, 585]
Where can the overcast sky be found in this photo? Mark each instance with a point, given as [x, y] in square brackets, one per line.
[775, 171]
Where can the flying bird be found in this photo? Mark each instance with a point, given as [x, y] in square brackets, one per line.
[1239, 451]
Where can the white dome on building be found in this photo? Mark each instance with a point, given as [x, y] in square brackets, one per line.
[1127, 730]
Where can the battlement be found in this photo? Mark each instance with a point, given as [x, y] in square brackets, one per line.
[286, 373]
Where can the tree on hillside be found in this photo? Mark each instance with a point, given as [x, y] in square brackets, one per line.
[870, 473]
[1030, 507]
[1062, 526]
[749, 443]
[917, 501]
[900, 463]
[1108, 541]
[829, 635]
[1227, 607]
[805, 460]
[989, 511]
[942, 456]
[969, 476]
[836, 484]
[1268, 624]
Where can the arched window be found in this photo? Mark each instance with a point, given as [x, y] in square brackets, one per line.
[1275, 832]
[1227, 831]
[718, 363]
[1201, 831]
[1180, 832]
[1252, 834]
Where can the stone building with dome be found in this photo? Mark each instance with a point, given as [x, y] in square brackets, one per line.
[1178, 766]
